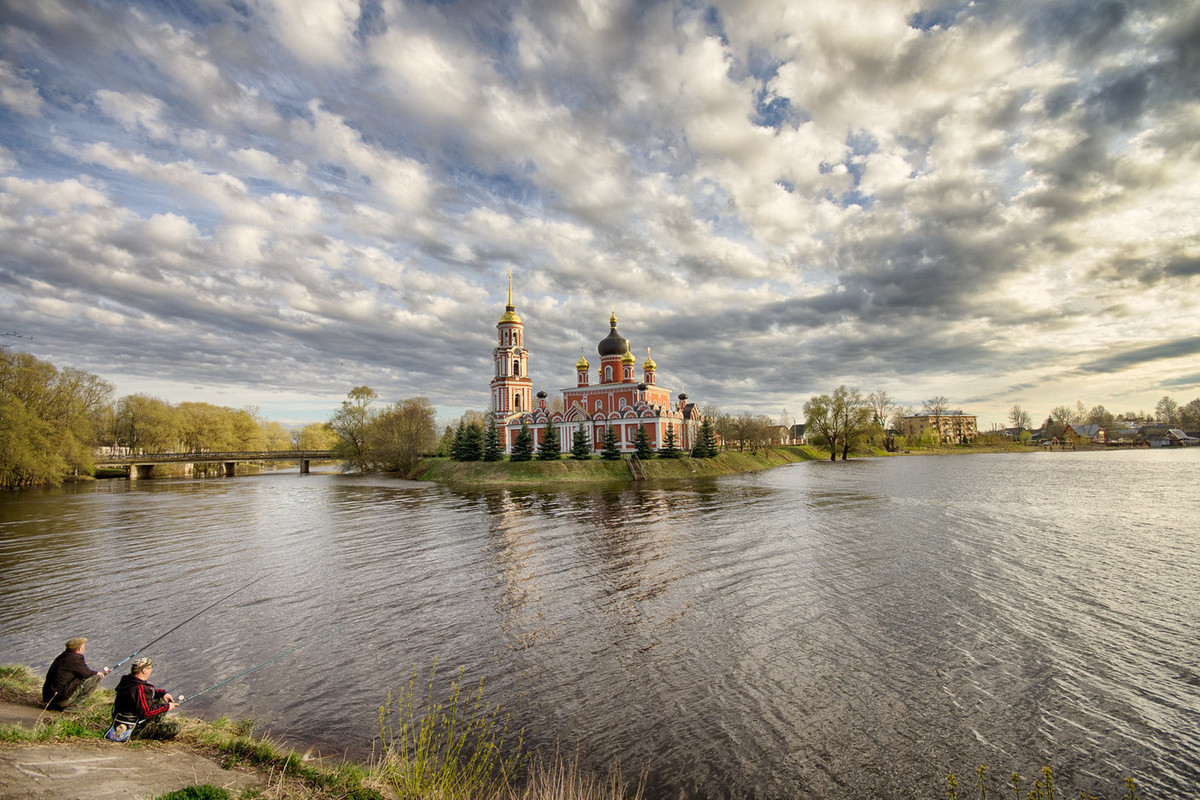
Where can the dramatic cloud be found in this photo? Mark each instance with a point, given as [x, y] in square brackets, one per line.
[270, 202]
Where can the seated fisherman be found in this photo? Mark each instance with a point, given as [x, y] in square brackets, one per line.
[69, 681]
[140, 705]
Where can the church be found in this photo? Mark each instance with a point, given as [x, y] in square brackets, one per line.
[617, 399]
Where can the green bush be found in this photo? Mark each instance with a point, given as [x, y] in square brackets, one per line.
[205, 791]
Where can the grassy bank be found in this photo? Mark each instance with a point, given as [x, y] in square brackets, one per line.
[598, 470]
[432, 749]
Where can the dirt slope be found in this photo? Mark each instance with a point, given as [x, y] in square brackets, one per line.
[99, 770]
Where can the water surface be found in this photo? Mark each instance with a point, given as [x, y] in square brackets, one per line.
[827, 630]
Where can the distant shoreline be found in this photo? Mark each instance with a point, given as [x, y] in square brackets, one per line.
[618, 471]
[599, 471]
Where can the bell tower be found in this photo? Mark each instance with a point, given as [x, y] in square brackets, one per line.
[512, 390]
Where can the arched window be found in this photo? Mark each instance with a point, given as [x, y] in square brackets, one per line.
[516, 368]
[516, 401]
[607, 374]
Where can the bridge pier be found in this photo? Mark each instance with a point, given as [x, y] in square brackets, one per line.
[143, 471]
[230, 469]
[304, 462]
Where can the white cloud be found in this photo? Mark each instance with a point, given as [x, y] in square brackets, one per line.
[399, 182]
[34, 196]
[134, 111]
[318, 32]
[826, 185]
[18, 93]
[8, 161]
[171, 232]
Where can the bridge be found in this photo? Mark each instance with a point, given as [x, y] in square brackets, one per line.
[142, 465]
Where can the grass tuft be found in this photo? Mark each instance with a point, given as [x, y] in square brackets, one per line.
[558, 778]
[453, 750]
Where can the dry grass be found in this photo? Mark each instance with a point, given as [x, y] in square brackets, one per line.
[561, 779]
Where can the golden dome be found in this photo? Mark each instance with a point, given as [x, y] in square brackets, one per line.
[582, 363]
[649, 362]
[628, 358]
[510, 311]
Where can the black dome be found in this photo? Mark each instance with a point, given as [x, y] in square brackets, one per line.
[614, 344]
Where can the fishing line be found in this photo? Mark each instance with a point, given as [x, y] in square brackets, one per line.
[314, 640]
[192, 617]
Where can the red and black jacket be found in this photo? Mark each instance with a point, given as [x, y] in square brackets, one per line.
[136, 698]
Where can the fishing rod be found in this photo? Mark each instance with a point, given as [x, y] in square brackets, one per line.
[181, 699]
[189, 619]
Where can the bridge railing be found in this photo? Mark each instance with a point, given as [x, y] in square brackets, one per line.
[203, 457]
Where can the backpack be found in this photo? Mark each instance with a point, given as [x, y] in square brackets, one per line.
[121, 729]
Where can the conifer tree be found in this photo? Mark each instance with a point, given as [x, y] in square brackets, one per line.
[581, 445]
[522, 449]
[706, 444]
[492, 451]
[548, 449]
[611, 451]
[670, 448]
[446, 443]
[641, 443]
[471, 448]
[456, 447]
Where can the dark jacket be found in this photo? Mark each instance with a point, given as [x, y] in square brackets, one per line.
[138, 699]
[64, 676]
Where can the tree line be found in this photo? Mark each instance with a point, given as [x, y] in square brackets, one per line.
[1166, 412]
[52, 421]
[846, 419]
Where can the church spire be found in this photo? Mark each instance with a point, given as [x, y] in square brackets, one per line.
[510, 311]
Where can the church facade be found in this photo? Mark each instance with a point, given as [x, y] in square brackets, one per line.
[617, 399]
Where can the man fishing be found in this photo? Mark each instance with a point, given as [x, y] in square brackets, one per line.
[69, 681]
[141, 707]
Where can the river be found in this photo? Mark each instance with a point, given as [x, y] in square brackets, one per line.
[855, 629]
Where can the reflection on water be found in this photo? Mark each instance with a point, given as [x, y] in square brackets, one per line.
[851, 629]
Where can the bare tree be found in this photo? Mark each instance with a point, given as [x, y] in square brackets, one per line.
[1019, 417]
[1099, 415]
[1190, 414]
[764, 433]
[936, 406]
[881, 405]
[1066, 415]
[1167, 411]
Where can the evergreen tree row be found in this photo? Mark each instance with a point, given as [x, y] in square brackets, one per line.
[473, 442]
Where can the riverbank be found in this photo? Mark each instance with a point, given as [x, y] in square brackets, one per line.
[49, 755]
[597, 470]
[63, 755]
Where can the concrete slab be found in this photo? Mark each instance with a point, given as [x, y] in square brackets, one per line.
[100, 770]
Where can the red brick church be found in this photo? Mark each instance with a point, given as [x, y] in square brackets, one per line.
[617, 398]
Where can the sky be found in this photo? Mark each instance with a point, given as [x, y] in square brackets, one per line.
[269, 202]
